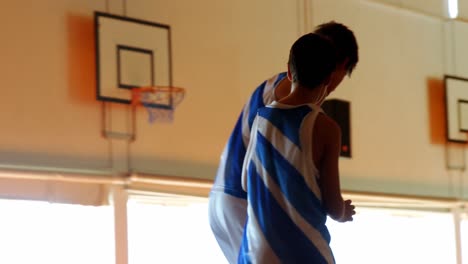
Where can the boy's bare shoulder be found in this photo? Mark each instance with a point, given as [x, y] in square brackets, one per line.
[327, 127]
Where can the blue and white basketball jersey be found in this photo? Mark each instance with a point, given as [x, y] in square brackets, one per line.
[286, 219]
[228, 176]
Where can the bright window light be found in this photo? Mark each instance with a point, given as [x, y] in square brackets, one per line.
[452, 8]
[159, 231]
[389, 236]
[171, 230]
[42, 232]
[464, 238]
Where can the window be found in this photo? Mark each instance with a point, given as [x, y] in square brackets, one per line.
[394, 236]
[167, 228]
[171, 229]
[42, 232]
[163, 225]
[464, 238]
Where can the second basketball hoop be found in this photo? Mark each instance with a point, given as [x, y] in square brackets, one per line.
[159, 101]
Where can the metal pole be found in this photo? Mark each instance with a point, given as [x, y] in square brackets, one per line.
[457, 229]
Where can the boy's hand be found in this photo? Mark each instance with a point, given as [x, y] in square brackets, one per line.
[348, 211]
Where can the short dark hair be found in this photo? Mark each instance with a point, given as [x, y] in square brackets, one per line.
[312, 58]
[344, 40]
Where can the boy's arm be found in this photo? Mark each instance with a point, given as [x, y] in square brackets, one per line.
[329, 181]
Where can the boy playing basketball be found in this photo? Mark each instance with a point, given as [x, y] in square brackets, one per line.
[228, 204]
[290, 168]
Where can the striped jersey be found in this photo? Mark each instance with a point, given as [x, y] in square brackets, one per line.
[228, 176]
[286, 219]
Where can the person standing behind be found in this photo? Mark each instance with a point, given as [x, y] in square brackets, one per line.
[228, 204]
[290, 171]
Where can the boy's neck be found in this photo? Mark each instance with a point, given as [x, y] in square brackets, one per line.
[301, 95]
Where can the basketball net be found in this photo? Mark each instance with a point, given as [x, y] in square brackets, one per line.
[159, 101]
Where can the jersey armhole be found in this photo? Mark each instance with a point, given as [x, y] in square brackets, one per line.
[310, 122]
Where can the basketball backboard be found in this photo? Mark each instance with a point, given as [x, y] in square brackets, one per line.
[456, 100]
[130, 53]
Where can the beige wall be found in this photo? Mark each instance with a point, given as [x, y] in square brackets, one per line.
[50, 118]
[398, 111]
[221, 51]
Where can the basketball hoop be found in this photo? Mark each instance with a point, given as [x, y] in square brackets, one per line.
[159, 101]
